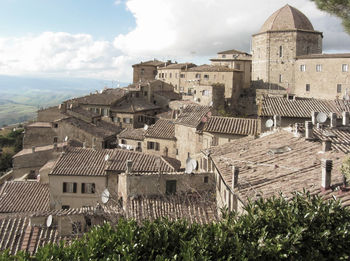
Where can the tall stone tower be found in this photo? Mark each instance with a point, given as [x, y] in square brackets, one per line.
[287, 33]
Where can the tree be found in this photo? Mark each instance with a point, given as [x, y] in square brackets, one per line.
[340, 8]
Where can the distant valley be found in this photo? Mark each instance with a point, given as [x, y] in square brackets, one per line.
[21, 97]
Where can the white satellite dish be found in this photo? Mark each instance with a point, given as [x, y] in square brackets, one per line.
[211, 103]
[107, 157]
[269, 123]
[189, 166]
[145, 127]
[321, 117]
[49, 221]
[66, 139]
[105, 196]
[194, 163]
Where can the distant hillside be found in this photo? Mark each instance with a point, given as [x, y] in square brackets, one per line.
[22, 96]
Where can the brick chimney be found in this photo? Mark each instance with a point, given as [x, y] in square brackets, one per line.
[333, 117]
[277, 121]
[309, 135]
[314, 117]
[345, 118]
[235, 172]
[326, 145]
[129, 166]
[326, 166]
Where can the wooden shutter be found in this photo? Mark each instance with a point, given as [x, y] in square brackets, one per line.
[157, 145]
[64, 187]
[74, 187]
[82, 188]
[93, 188]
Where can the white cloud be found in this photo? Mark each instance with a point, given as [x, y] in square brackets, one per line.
[183, 30]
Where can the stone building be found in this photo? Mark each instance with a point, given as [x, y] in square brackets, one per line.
[146, 71]
[286, 34]
[210, 95]
[131, 139]
[80, 175]
[236, 60]
[287, 56]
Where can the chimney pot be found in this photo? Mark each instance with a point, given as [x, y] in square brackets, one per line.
[308, 130]
[326, 166]
[84, 145]
[129, 166]
[333, 117]
[235, 172]
[314, 117]
[345, 118]
[326, 145]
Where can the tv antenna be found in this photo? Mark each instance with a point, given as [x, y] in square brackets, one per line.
[321, 117]
[49, 221]
[105, 196]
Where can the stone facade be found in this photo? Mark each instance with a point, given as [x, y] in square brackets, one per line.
[161, 147]
[146, 71]
[39, 134]
[210, 95]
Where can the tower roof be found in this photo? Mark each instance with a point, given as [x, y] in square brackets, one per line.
[287, 18]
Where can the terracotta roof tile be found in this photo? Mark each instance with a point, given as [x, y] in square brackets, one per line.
[169, 95]
[90, 162]
[300, 107]
[276, 163]
[134, 105]
[230, 125]
[212, 68]
[192, 115]
[151, 63]
[24, 196]
[232, 51]
[162, 129]
[107, 97]
[324, 56]
[179, 66]
[133, 134]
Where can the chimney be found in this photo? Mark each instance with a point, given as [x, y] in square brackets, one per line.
[333, 117]
[129, 166]
[313, 117]
[345, 118]
[326, 145]
[55, 146]
[84, 145]
[309, 135]
[64, 149]
[33, 149]
[277, 121]
[235, 172]
[326, 166]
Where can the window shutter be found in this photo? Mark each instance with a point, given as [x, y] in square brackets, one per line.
[157, 146]
[93, 188]
[74, 187]
[82, 188]
[64, 187]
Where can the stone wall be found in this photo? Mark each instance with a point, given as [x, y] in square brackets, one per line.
[143, 72]
[38, 136]
[167, 147]
[50, 114]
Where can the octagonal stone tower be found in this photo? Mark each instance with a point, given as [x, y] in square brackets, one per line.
[287, 33]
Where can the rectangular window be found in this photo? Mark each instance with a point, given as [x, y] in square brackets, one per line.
[281, 51]
[198, 75]
[105, 112]
[206, 179]
[87, 188]
[182, 75]
[303, 68]
[206, 76]
[237, 66]
[318, 67]
[223, 56]
[170, 187]
[69, 187]
[307, 87]
[65, 207]
[338, 88]
[280, 78]
[345, 67]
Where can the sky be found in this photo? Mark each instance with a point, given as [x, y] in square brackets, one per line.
[101, 39]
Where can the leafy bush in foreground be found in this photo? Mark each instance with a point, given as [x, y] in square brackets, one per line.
[304, 228]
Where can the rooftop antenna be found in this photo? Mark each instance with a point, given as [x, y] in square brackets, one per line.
[49, 221]
[269, 123]
[321, 117]
[105, 196]
[66, 139]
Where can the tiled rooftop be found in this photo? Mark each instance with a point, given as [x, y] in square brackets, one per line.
[37, 149]
[90, 162]
[211, 68]
[133, 134]
[324, 56]
[151, 63]
[230, 125]
[192, 115]
[134, 105]
[82, 112]
[39, 124]
[162, 129]
[24, 196]
[232, 51]
[179, 66]
[169, 95]
[107, 97]
[300, 107]
[279, 162]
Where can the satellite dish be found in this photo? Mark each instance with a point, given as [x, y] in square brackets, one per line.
[145, 127]
[105, 196]
[49, 221]
[106, 157]
[194, 163]
[321, 117]
[66, 139]
[189, 166]
[269, 123]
